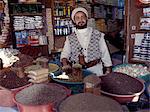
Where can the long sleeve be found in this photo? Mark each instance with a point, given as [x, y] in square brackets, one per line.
[66, 49]
[105, 55]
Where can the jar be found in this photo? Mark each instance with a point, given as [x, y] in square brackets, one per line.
[92, 84]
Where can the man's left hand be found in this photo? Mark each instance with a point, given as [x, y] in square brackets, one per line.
[108, 70]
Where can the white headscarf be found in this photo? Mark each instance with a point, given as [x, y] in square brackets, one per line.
[78, 10]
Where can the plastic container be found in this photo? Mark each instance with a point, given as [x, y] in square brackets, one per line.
[48, 107]
[6, 96]
[122, 99]
[146, 77]
[75, 87]
[37, 108]
[134, 70]
[8, 109]
[125, 98]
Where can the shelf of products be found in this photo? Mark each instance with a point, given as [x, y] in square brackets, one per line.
[105, 12]
[61, 15]
[62, 24]
[5, 40]
[28, 25]
[138, 32]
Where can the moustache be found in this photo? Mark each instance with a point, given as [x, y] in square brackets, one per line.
[81, 23]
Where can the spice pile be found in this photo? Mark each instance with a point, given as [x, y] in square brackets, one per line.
[75, 73]
[39, 94]
[121, 84]
[73, 78]
[10, 80]
[133, 70]
[86, 102]
[24, 60]
[8, 57]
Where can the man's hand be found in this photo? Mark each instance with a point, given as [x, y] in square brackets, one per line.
[64, 61]
[65, 65]
[108, 70]
[67, 69]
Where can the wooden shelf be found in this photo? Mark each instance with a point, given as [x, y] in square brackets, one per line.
[133, 60]
[29, 10]
[38, 3]
[83, 2]
[58, 36]
[62, 17]
[141, 31]
[39, 45]
[142, 5]
[145, 17]
[107, 5]
[96, 4]
[61, 12]
[27, 14]
[134, 12]
[29, 29]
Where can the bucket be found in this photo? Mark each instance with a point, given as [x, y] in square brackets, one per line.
[41, 97]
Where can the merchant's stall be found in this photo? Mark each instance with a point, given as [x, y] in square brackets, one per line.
[32, 79]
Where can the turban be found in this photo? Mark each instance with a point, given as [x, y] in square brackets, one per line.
[79, 9]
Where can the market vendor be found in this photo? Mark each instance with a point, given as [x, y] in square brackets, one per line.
[85, 46]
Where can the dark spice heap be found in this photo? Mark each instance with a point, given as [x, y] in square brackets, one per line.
[75, 73]
[10, 80]
[87, 102]
[121, 84]
[24, 60]
[39, 94]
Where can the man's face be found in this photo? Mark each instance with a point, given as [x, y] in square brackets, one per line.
[80, 20]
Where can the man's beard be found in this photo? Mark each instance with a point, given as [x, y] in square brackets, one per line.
[81, 26]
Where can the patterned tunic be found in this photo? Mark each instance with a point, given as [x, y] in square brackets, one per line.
[91, 43]
[77, 49]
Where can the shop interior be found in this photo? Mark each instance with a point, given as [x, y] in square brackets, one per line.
[32, 37]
